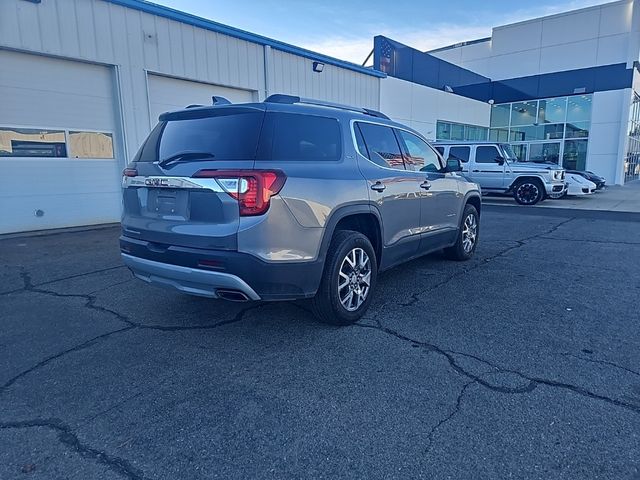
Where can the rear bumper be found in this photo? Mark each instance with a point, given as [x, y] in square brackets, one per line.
[187, 280]
[202, 271]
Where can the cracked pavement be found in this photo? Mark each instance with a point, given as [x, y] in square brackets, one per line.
[522, 363]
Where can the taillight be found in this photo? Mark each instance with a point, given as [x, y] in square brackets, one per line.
[252, 188]
[130, 172]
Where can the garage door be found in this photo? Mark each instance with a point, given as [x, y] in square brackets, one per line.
[58, 144]
[167, 94]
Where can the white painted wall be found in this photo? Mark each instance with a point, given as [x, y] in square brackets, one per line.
[600, 35]
[421, 107]
[607, 137]
[292, 74]
[45, 93]
[131, 46]
[99, 31]
[167, 93]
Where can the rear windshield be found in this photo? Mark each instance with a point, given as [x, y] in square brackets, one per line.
[226, 136]
[244, 135]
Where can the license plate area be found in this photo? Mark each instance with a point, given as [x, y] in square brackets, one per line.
[168, 203]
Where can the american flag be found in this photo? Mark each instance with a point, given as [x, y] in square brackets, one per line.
[386, 56]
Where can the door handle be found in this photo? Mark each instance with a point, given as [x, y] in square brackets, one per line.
[378, 186]
[426, 185]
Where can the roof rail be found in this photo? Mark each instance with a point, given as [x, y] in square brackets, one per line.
[291, 99]
[194, 105]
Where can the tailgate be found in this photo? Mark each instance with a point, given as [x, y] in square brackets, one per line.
[190, 212]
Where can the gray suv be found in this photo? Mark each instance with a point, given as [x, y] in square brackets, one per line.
[289, 199]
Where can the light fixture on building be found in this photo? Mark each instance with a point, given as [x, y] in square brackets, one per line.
[447, 89]
[318, 67]
[580, 90]
[491, 101]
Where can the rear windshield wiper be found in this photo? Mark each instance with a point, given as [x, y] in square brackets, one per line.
[178, 157]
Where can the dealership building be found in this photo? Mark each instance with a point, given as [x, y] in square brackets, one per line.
[82, 82]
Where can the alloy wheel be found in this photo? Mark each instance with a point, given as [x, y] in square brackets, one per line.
[354, 280]
[527, 193]
[469, 233]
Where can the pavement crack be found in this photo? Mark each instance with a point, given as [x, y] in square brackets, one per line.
[76, 348]
[28, 284]
[179, 328]
[582, 240]
[532, 381]
[77, 275]
[456, 409]
[450, 357]
[90, 300]
[415, 297]
[67, 437]
[602, 362]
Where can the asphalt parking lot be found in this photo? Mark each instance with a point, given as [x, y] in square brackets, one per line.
[523, 363]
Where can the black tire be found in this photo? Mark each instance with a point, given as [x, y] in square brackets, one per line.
[327, 305]
[528, 191]
[460, 251]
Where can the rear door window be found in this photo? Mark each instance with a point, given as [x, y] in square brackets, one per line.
[290, 136]
[382, 145]
[460, 153]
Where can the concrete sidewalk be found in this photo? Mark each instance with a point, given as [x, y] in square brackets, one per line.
[615, 198]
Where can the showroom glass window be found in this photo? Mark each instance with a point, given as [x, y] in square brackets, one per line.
[546, 130]
[460, 131]
[524, 113]
[632, 159]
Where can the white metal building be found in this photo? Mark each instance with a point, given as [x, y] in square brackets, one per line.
[562, 88]
[83, 81]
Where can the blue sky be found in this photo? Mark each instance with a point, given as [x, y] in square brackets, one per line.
[345, 29]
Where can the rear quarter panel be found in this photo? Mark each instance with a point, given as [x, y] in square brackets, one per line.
[294, 226]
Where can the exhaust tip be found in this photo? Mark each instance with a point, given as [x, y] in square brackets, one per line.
[232, 295]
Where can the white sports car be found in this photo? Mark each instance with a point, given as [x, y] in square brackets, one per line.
[578, 185]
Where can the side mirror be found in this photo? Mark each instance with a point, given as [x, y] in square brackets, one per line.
[453, 165]
[499, 160]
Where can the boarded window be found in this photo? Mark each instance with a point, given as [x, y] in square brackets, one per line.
[31, 142]
[90, 145]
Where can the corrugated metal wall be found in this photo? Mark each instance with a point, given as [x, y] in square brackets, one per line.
[293, 74]
[99, 31]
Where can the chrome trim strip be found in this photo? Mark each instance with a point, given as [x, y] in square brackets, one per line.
[158, 181]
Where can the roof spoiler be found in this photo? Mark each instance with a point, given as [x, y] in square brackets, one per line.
[218, 100]
[291, 99]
